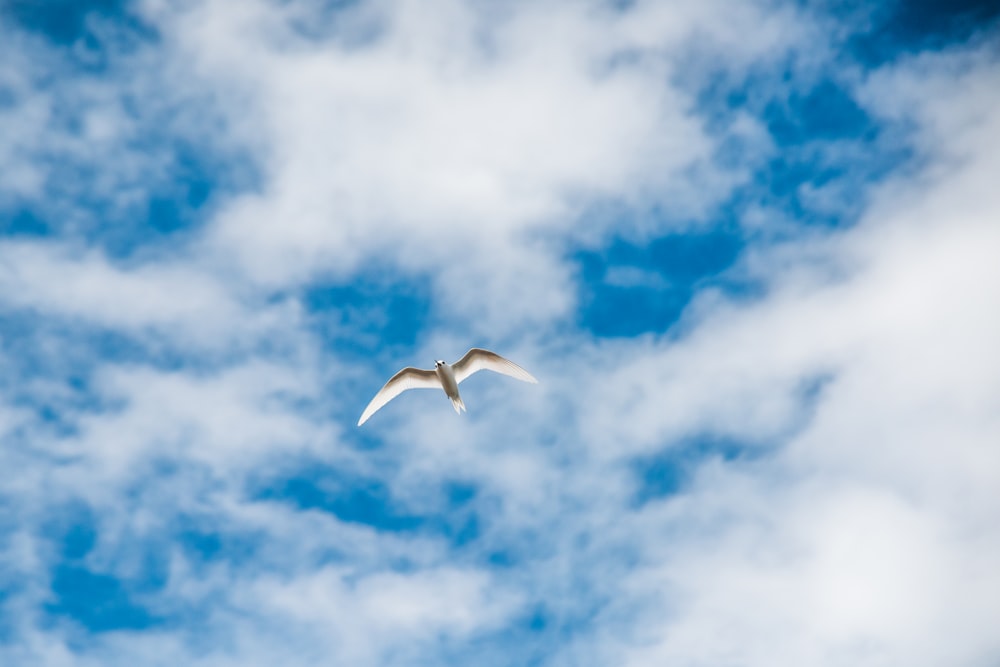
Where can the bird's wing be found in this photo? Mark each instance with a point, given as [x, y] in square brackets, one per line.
[408, 378]
[478, 359]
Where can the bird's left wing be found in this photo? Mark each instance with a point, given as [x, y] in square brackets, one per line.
[478, 359]
[408, 378]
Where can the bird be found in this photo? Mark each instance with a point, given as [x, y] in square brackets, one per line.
[445, 376]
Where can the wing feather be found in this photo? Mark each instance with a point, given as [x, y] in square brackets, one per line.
[478, 359]
[408, 378]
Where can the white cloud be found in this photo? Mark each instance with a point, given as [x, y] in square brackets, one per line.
[455, 134]
[858, 526]
[862, 540]
[177, 300]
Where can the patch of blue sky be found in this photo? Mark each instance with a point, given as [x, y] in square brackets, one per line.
[175, 204]
[98, 602]
[375, 320]
[74, 526]
[824, 112]
[152, 179]
[350, 499]
[825, 140]
[203, 544]
[670, 471]
[828, 153]
[208, 539]
[95, 600]
[379, 313]
[902, 27]
[632, 288]
[368, 500]
[69, 22]
[150, 210]
[23, 223]
[822, 139]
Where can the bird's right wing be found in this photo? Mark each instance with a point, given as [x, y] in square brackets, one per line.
[408, 378]
[478, 359]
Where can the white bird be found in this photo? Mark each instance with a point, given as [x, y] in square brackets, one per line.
[445, 376]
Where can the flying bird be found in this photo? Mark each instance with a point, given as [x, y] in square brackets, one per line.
[445, 376]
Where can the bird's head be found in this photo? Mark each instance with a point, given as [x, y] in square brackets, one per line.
[438, 364]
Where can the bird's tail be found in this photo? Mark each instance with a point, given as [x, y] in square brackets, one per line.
[458, 404]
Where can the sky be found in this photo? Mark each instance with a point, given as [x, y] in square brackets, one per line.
[748, 249]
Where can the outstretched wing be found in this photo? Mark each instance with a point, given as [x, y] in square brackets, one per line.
[478, 359]
[408, 378]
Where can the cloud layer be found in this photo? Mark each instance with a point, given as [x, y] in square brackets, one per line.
[225, 224]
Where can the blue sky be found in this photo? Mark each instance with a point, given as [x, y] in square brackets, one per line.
[748, 250]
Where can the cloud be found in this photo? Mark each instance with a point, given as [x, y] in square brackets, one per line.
[175, 300]
[798, 466]
[493, 134]
[844, 545]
